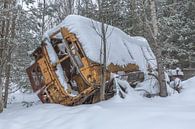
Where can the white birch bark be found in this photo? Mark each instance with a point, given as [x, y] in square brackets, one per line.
[161, 75]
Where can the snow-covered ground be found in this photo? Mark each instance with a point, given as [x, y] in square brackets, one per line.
[134, 112]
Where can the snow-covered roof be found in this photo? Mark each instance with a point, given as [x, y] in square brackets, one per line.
[122, 49]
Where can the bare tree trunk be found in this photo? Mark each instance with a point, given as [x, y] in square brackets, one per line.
[161, 75]
[102, 89]
[1, 72]
[1, 95]
[70, 6]
[8, 66]
[4, 34]
[43, 18]
[103, 38]
[78, 7]
[7, 81]
[190, 60]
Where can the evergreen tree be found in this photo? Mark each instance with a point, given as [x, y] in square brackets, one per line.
[177, 30]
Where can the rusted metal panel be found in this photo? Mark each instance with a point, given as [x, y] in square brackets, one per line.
[44, 69]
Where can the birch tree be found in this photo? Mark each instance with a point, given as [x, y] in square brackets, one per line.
[9, 56]
[16, 38]
[3, 45]
[153, 28]
[103, 42]
[1, 95]
[7, 43]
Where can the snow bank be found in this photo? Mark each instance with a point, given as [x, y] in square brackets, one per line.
[174, 112]
[122, 49]
[188, 92]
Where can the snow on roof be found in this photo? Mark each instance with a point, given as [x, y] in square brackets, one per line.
[122, 49]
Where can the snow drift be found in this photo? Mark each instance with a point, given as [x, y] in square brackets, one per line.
[174, 112]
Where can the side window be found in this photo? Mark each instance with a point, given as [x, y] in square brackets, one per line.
[76, 55]
[60, 49]
[36, 77]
